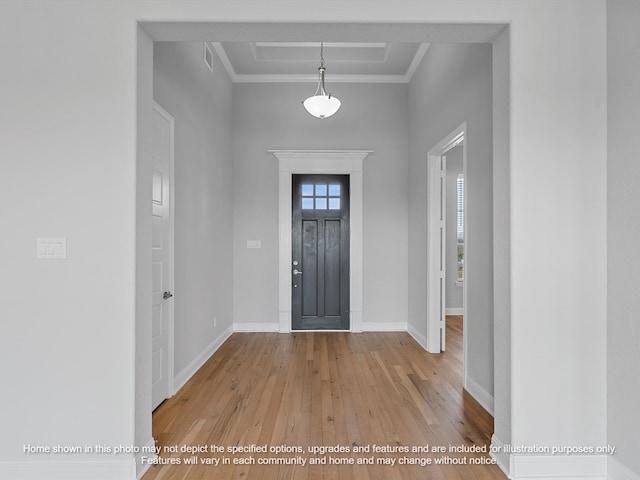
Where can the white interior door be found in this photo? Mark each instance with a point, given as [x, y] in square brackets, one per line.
[443, 251]
[436, 250]
[162, 258]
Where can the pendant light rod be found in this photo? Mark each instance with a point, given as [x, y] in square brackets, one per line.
[321, 104]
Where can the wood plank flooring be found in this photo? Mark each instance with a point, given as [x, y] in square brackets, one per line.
[293, 392]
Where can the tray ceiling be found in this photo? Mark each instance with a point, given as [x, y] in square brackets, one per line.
[378, 62]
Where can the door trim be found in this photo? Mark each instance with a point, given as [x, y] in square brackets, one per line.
[171, 254]
[345, 162]
[434, 339]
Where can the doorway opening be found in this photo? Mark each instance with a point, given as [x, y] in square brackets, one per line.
[162, 256]
[437, 259]
[160, 31]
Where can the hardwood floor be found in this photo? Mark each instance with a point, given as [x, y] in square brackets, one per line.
[303, 390]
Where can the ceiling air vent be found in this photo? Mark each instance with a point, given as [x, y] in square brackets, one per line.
[208, 57]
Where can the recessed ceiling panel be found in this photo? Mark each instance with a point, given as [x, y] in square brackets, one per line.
[298, 58]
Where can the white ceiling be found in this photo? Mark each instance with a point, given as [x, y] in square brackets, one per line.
[361, 62]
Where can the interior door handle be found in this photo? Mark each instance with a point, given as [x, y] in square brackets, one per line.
[167, 295]
[297, 272]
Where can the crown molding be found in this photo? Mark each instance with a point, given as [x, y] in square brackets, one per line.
[417, 59]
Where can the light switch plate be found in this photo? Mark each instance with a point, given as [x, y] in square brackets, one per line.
[52, 248]
[254, 243]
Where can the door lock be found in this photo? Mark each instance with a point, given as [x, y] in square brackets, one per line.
[167, 295]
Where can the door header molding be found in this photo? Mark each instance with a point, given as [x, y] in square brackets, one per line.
[320, 161]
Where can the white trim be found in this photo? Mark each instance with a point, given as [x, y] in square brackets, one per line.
[349, 162]
[171, 248]
[384, 326]
[226, 63]
[256, 327]
[183, 377]
[497, 452]
[98, 468]
[417, 336]
[417, 60]
[617, 471]
[558, 467]
[308, 78]
[207, 50]
[142, 468]
[377, 45]
[483, 397]
[454, 310]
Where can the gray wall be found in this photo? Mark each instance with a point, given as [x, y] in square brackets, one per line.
[270, 116]
[623, 198]
[453, 292]
[453, 84]
[200, 102]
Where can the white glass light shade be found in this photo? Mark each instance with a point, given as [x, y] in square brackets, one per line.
[322, 106]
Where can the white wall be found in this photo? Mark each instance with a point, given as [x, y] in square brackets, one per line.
[453, 292]
[68, 121]
[68, 155]
[558, 139]
[200, 102]
[453, 85]
[623, 176]
[270, 116]
[144, 181]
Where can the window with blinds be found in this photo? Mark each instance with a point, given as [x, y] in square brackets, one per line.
[460, 228]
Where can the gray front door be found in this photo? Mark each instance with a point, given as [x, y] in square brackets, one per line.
[320, 252]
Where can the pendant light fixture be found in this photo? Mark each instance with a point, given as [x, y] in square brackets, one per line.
[321, 104]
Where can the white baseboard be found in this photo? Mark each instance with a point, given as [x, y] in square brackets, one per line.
[256, 327]
[499, 455]
[141, 468]
[92, 468]
[181, 378]
[418, 337]
[617, 471]
[483, 397]
[454, 311]
[384, 326]
[366, 327]
[558, 467]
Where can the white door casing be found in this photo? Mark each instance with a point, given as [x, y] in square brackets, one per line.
[162, 256]
[347, 162]
[436, 244]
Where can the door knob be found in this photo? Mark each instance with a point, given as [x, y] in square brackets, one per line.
[297, 272]
[167, 295]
